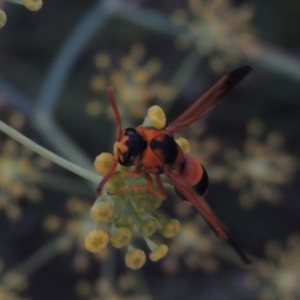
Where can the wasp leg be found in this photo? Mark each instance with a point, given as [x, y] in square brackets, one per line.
[161, 194]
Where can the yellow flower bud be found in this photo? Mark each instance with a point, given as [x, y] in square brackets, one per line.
[103, 212]
[148, 227]
[171, 228]
[121, 237]
[135, 259]
[96, 240]
[156, 117]
[115, 183]
[33, 5]
[159, 252]
[103, 162]
[2, 18]
[183, 144]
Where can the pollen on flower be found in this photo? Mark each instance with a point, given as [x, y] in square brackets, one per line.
[96, 240]
[157, 117]
[159, 252]
[183, 143]
[3, 18]
[135, 259]
[102, 212]
[103, 162]
[33, 5]
[121, 237]
[148, 227]
[171, 228]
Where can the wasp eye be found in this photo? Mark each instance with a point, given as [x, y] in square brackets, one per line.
[127, 159]
[135, 145]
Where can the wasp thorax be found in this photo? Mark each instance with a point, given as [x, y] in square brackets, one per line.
[130, 147]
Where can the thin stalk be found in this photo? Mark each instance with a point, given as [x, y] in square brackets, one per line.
[48, 154]
[133, 212]
[42, 256]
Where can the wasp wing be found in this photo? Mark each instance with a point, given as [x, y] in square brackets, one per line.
[207, 101]
[207, 213]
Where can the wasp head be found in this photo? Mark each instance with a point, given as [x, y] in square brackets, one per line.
[130, 147]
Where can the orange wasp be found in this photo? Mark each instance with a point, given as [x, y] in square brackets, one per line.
[154, 151]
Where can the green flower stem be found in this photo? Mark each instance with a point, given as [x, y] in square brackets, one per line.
[49, 155]
[21, 2]
[130, 247]
[152, 246]
[42, 256]
[161, 220]
[133, 212]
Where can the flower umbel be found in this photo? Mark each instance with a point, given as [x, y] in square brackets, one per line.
[135, 75]
[218, 30]
[20, 174]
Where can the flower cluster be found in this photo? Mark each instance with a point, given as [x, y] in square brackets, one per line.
[278, 276]
[76, 225]
[257, 171]
[12, 283]
[19, 174]
[33, 5]
[135, 76]
[218, 30]
[130, 211]
[261, 168]
[193, 246]
[126, 286]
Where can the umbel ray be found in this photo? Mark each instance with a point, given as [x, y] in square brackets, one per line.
[154, 151]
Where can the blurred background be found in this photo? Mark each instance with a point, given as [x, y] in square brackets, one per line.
[55, 67]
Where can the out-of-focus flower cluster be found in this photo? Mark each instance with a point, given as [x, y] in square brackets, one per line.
[131, 211]
[278, 277]
[75, 226]
[12, 284]
[261, 167]
[124, 288]
[192, 246]
[33, 5]
[258, 171]
[134, 76]
[19, 173]
[218, 29]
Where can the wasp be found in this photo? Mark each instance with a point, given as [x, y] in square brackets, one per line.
[154, 152]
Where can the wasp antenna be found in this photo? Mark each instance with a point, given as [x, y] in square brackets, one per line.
[110, 93]
[109, 173]
[234, 77]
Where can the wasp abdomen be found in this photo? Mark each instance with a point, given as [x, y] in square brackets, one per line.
[194, 174]
[202, 186]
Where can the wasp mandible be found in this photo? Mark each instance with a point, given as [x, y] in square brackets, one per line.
[154, 151]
